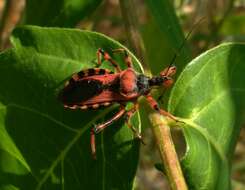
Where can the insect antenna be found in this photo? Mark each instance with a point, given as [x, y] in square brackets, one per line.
[181, 48]
[184, 42]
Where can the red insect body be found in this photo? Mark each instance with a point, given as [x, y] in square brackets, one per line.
[97, 87]
[128, 80]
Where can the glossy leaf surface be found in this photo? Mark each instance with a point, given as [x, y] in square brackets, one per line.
[44, 146]
[209, 94]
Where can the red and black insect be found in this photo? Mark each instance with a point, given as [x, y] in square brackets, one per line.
[96, 87]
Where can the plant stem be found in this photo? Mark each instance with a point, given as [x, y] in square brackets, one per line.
[11, 16]
[167, 151]
[130, 18]
[160, 128]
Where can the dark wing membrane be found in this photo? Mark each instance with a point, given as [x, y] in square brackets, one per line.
[80, 91]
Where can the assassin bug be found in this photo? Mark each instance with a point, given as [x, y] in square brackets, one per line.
[96, 87]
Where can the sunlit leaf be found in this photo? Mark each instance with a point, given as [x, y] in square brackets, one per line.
[209, 94]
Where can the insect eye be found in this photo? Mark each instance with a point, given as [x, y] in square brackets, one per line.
[167, 82]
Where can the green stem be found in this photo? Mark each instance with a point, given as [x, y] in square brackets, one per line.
[160, 128]
[167, 151]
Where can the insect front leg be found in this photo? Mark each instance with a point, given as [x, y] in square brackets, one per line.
[95, 130]
[107, 57]
[127, 58]
[153, 103]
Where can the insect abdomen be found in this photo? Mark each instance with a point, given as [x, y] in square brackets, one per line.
[89, 72]
[88, 106]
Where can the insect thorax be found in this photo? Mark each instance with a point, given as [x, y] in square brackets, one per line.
[133, 84]
[143, 86]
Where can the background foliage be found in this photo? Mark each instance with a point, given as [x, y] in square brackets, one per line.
[44, 146]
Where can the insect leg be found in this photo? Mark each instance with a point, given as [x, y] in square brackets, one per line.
[92, 143]
[153, 103]
[129, 114]
[168, 83]
[102, 126]
[127, 58]
[107, 57]
[118, 115]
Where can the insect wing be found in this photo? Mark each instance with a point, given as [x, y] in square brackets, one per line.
[80, 91]
[105, 97]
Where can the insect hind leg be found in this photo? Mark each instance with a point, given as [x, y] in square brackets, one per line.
[93, 143]
[118, 115]
[97, 129]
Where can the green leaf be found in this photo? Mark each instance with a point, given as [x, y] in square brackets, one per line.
[209, 94]
[66, 13]
[163, 37]
[44, 146]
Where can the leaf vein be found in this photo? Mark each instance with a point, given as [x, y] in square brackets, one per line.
[45, 116]
[64, 152]
[197, 75]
